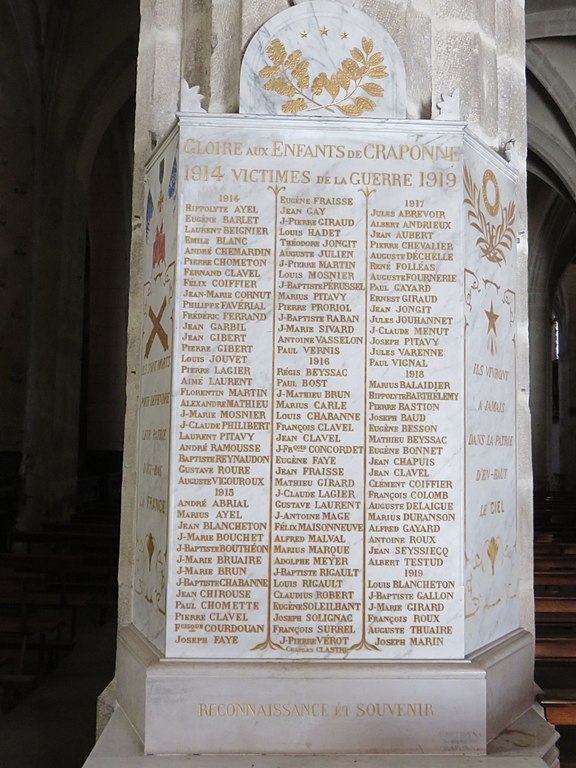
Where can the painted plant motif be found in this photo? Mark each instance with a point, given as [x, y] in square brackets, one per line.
[494, 239]
[173, 181]
[346, 91]
[149, 212]
[493, 548]
[159, 247]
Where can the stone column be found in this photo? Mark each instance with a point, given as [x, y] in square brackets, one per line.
[157, 97]
[54, 358]
[478, 50]
[566, 380]
[540, 386]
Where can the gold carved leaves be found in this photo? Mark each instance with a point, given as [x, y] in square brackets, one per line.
[493, 552]
[276, 52]
[494, 239]
[289, 75]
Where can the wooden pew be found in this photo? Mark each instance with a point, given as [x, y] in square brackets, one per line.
[13, 683]
[70, 540]
[555, 579]
[88, 566]
[555, 649]
[559, 706]
[554, 563]
[555, 596]
[61, 570]
[21, 621]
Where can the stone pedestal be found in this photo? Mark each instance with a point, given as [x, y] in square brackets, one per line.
[326, 538]
[348, 708]
[529, 743]
[327, 496]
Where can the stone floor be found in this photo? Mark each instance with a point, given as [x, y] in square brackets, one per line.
[53, 726]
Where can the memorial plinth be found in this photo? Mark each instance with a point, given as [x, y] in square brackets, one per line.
[327, 526]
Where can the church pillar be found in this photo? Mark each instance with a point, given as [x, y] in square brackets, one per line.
[566, 416]
[50, 447]
[477, 48]
[540, 386]
[157, 95]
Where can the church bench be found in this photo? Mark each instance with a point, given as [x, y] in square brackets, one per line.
[554, 563]
[555, 578]
[555, 650]
[547, 548]
[554, 604]
[98, 551]
[72, 540]
[556, 524]
[88, 490]
[13, 684]
[89, 549]
[555, 531]
[559, 706]
[15, 680]
[62, 594]
[558, 547]
[54, 564]
[21, 622]
[555, 610]
[90, 526]
[85, 578]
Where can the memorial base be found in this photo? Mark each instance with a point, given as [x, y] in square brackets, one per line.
[529, 743]
[446, 707]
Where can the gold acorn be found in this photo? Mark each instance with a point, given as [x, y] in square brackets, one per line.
[493, 552]
[150, 546]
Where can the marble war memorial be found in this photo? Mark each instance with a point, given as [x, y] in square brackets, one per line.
[347, 355]
[327, 424]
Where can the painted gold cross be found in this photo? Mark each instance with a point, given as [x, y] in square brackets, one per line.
[157, 329]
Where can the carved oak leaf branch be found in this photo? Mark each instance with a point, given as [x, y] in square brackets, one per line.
[289, 76]
[494, 240]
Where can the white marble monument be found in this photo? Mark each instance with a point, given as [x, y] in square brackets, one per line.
[327, 529]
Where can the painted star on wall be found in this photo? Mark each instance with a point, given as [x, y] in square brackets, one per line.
[492, 317]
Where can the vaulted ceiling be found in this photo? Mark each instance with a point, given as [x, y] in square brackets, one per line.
[551, 95]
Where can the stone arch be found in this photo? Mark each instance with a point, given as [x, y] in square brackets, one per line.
[558, 22]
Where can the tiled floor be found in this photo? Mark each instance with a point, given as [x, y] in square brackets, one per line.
[53, 726]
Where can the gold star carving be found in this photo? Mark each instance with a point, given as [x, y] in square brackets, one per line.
[160, 201]
[492, 317]
[304, 33]
[324, 30]
[344, 35]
